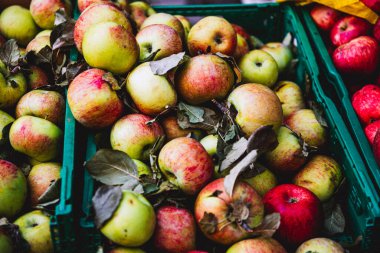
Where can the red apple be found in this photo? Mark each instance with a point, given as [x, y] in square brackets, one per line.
[300, 210]
[376, 30]
[214, 205]
[38, 43]
[186, 163]
[371, 130]
[83, 4]
[165, 19]
[366, 103]
[360, 56]
[172, 129]
[43, 11]
[140, 11]
[92, 101]
[37, 78]
[203, 78]
[240, 30]
[376, 147]
[373, 5]
[175, 230]
[242, 47]
[347, 29]
[324, 17]
[257, 245]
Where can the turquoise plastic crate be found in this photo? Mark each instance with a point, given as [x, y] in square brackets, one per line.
[272, 22]
[343, 97]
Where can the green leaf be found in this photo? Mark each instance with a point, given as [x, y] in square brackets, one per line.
[51, 193]
[209, 223]
[105, 202]
[255, 42]
[151, 56]
[194, 113]
[163, 66]
[189, 116]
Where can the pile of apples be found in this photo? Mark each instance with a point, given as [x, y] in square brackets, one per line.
[357, 58]
[31, 128]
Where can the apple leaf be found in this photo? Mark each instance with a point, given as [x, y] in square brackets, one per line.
[269, 225]
[237, 150]
[105, 201]
[230, 179]
[318, 111]
[151, 56]
[189, 116]
[75, 68]
[253, 170]
[163, 66]
[111, 80]
[63, 32]
[233, 65]
[209, 223]
[239, 213]
[112, 167]
[51, 193]
[10, 54]
[133, 185]
[334, 222]
[194, 113]
[264, 139]
[306, 148]
[19, 244]
[168, 109]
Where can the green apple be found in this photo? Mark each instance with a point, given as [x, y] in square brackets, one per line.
[281, 53]
[260, 67]
[140, 11]
[320, 245]
[11, 88]
[35, 229]
[291, 97]
[322, 175]
[37, 78]
[210, 143]
[17, 23]
[40, 178]
[111, 47]
[13, 189]
[257, 106]
[185, 23]
[287, 157]
[126, 250]
[5, 243]
[44, 33]
[43, 11]
[262, 182]
[5, 119]
[133, 222]
[49, 105]
[142, 168]
[133, 136]
[305, 123]
[38, 43]
[165, 19]
[242, 47]
[38, 138]
[158, 37]
[141, 80]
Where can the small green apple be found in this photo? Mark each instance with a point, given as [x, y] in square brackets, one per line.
[5, 243]
[262, 182]
[210, 143]
[11, 88]
[35, 229]
[322, 175]
[165, 19]
[142, 168]
[291, 97]
[260, 67]
[281, 53]
[133, 222]
[5, 119]
[140, 11]
[141, 80]
[17, 23]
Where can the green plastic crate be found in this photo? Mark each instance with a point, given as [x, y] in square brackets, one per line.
[272, 22]
[343, 97]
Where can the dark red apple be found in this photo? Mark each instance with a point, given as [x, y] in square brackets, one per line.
[300, 210]
[347, 29]
[371, 130]
[360, 56]
[366, 103]
[240, 30]
[373, 5]
[376, 147]
[324, 17]
[376, 30]
[175, 230]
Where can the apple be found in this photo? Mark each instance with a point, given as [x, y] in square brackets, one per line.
[186, 164]
[210, 143]
[360, 56]
[165, 19]
[300, 211]
[281, 53]
[96, 14]
[242, 47]
[257, 245]
[5, 119]
[49, 105]
[249, 100]
[320, 245]
[83, 4]
[13, 189]
[260, 67]
[92, 101]
[197, 251]
[142, 168]
[372, 4]
[43, 11]
[133, 136]
[125, 250]
[287, 157]
[141, 80]
[262, 182]
[6, 244]
[324, 17]
[371, 129]
[133, 222]
[35, 229]
[347, 29]
[291, 97]
[366, 103]
[240, 30]
[227, 211]
[376, 147]
[140, 11]
[175, 230]
[185, 23]
[17, 23]
[38, 138]
[158, 37]
[203, 78]
[40, 178]
[305, 124]
[37, 78]
[214, 34]
[111, 47]
[322, 175]
[376, 31]
[12, 87]
[44, 33]
[173, 130]
[38, 43]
